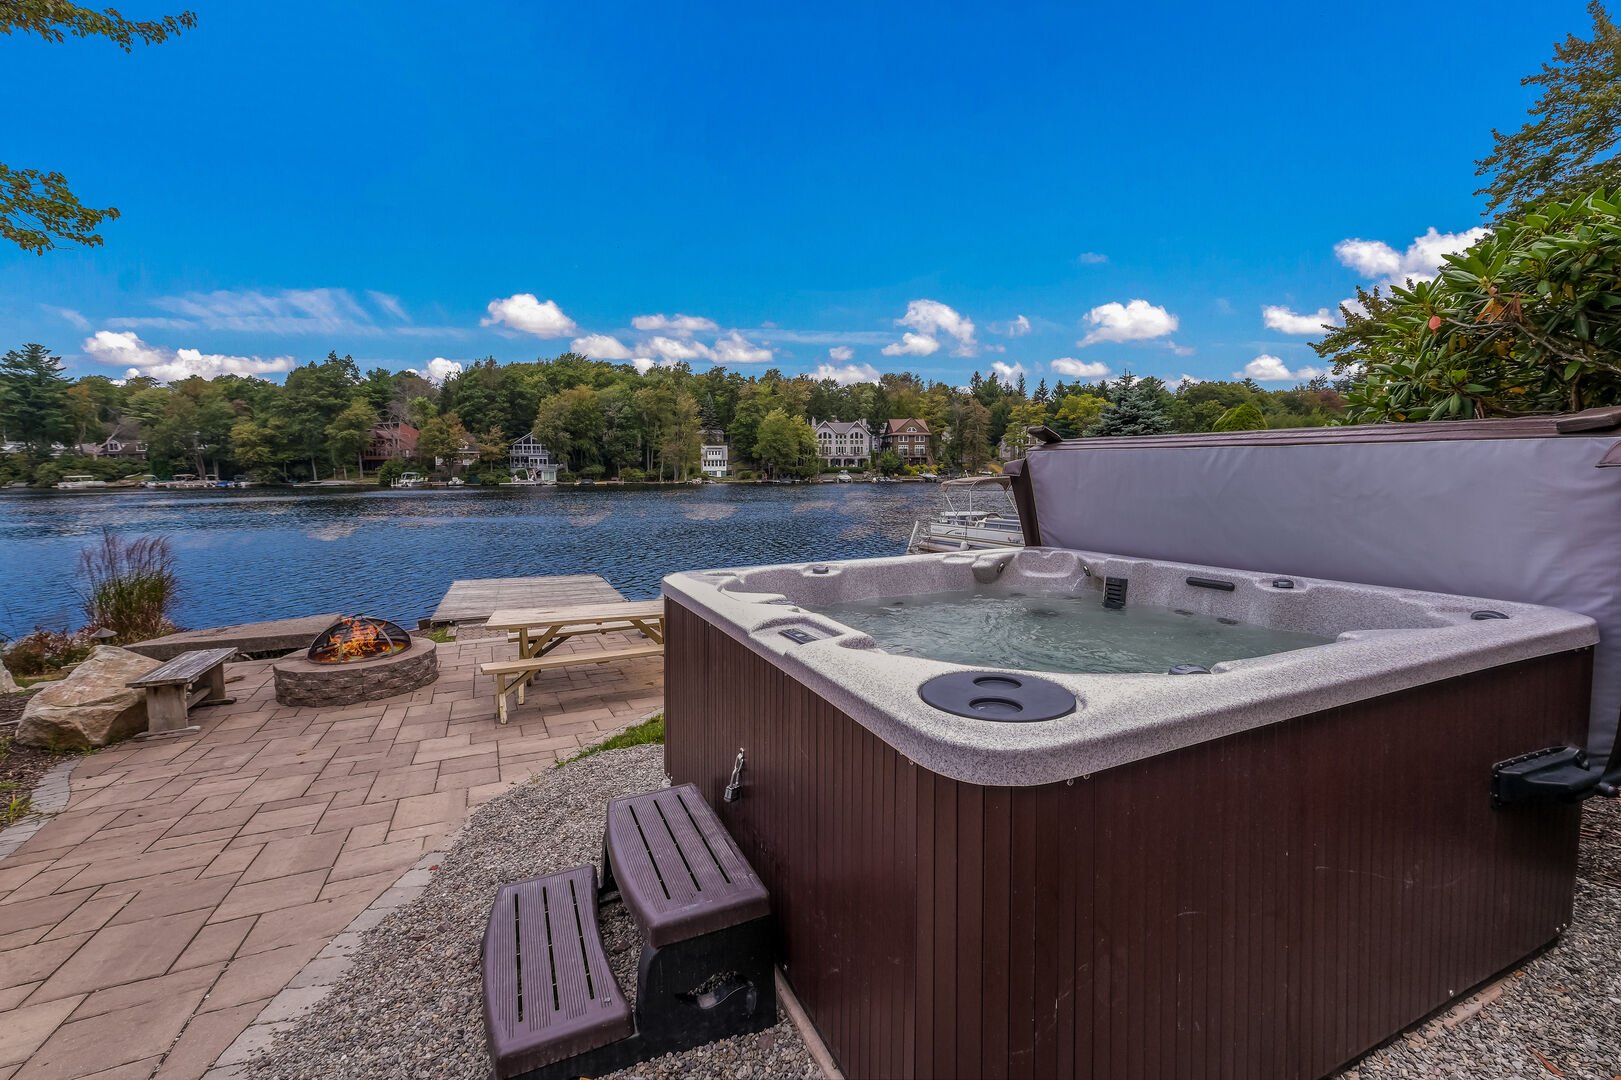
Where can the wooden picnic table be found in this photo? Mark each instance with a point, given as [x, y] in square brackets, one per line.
[538, 631]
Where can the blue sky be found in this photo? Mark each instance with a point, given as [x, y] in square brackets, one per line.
[857, 188]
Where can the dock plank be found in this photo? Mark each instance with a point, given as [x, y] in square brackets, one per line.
[475, 599]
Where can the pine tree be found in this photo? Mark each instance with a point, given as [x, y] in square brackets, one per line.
[1568, 149]
[1134, 409]
[34, 398]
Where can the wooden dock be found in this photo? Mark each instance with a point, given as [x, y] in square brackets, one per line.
[473, 600]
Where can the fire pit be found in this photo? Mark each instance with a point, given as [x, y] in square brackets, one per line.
[357, 638]
[355, 659]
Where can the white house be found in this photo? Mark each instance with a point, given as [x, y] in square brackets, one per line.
[716, 459]
[529, 458]
[843, 446]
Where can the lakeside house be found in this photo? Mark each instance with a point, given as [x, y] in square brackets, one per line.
[715, 459]
[392, 441]
[528, 457]
[842, 445]
[123, 443]
[910, 439]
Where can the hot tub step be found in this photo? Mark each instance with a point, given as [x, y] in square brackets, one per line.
[551, 1006]
[550, 1000]
[677, 868]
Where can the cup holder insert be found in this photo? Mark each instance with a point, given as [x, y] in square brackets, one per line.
[997, 696]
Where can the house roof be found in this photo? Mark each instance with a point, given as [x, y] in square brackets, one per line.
[838, 428]
[894, 427]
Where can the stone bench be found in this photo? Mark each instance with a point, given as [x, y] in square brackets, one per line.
[193, 678]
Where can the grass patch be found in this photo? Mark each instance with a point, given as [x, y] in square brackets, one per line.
[440, 635]
[13, 807]
[650, 730]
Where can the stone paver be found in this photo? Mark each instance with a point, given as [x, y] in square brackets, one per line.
[193, 894]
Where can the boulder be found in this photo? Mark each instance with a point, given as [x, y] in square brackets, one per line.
[91, 707]
[8, 685]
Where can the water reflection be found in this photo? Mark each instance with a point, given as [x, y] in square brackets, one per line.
[272, 554]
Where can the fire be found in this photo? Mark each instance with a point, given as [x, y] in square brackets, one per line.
[355, 638]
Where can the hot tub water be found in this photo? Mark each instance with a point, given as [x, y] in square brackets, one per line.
[1031, 632]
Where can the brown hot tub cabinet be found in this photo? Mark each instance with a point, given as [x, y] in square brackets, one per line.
[1263, 872]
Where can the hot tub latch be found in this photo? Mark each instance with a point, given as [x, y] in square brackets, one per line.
[1552, 774]
[734, 789]
[797, 636]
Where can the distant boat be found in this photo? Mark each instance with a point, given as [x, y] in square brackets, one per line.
[979, 513]
[80, 482]
[843, 477]
[531, 478]
[410, 479]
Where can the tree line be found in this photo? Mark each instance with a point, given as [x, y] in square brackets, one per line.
[598, 419]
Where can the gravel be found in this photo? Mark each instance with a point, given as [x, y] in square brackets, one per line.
[410, 1005]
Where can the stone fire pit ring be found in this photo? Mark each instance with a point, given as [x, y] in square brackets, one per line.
[300, 681]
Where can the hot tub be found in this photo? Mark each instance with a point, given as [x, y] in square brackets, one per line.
[1263, 865]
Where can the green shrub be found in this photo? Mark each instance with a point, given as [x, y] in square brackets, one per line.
[389, 471]
[633, 475]
[45, 651]
[565, 477]
[745, 475]
[593, 472]
[131, 586]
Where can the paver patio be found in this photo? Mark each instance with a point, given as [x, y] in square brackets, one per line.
[189, 880]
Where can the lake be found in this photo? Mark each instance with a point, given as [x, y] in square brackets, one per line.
[273, 553]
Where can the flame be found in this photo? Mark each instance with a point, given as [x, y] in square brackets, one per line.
[355, 638]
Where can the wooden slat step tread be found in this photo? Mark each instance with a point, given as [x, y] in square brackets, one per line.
[549, 994]
[677, 868]
[557, 660]
[184, 668]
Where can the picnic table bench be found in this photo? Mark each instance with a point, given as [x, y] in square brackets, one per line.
[539, 631]
[192, 678]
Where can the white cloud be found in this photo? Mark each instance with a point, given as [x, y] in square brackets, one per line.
[126, 350]
[1384, 265]
[1018, 327]
[1136, 320]
[1080, 369]
[734, 348]
[912, 344]
[680, 325]
[389, 303]
[676, 349]
[69, 315]
[287, 311]
[930, 319]
[1191, 380]
[1091, 258]
[440, 369]
[1008, 373]
[842, 353]
[1269, 368]
[600, 347]
[525, 313]
[644, 364]
[847, 374]
[1279, 318]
